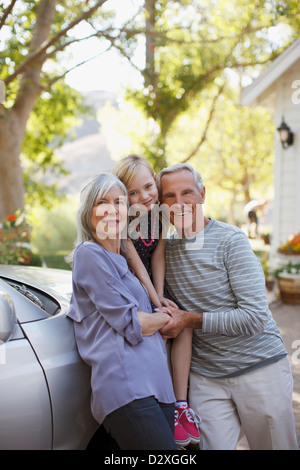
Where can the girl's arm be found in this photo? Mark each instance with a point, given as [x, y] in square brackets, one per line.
[135, 262]
[158, 267]
[158, 272]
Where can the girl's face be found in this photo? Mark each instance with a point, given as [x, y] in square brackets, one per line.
[142, 189]
[109, 214]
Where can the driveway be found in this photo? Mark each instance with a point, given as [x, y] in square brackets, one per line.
[287, 318]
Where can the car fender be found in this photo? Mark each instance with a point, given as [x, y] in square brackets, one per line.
[68, 380]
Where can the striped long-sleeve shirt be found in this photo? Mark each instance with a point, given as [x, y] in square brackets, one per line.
[217, 274]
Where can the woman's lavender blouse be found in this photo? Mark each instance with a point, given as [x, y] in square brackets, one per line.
[104, 304]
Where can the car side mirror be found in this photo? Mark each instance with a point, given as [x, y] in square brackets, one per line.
[8, 318]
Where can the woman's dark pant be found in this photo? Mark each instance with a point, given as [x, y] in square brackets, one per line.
[143, 424]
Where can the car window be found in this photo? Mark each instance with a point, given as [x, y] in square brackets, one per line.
[43, 300]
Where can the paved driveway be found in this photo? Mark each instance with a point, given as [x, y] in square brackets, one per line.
[287, 318]
[288, 321]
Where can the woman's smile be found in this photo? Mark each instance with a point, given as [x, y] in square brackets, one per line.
[109, 214]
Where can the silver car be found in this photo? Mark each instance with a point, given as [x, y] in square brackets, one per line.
[44, 385]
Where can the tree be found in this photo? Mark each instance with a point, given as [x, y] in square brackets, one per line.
[234, 152]
[25, 79]
[190, 45]
[37, 33]
[237, 157]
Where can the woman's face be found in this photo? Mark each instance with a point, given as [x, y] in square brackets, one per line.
[109, 214]
[142, 189]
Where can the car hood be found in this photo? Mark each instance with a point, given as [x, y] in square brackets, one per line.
[55, 282]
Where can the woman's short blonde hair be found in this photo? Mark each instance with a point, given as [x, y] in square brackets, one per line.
[127, 168]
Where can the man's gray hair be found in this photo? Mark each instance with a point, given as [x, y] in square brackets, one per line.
[179, 167]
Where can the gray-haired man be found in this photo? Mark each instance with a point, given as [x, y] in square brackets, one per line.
[240, 376]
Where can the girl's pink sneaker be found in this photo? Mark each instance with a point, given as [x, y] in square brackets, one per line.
[189, 421]
[181, 437]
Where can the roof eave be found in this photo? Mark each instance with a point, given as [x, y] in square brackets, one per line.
[251, 94]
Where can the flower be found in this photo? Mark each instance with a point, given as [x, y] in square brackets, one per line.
[14, 235]
[11, 218]
[292, 246]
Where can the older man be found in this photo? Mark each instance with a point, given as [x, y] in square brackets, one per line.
[240, 376]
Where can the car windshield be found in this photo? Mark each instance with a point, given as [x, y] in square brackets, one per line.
[38, 297]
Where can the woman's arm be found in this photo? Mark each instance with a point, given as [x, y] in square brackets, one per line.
[135, 262]
[152, 322]
[98, 289]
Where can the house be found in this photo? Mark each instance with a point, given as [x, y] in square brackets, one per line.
[278, 89]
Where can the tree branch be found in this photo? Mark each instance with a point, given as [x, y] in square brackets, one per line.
[6, 12]
[59, 77]
[40, 51]
[204, 134]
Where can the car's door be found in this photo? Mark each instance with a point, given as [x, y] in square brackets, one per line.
[49, 355]
[68, 379]
[25, 411]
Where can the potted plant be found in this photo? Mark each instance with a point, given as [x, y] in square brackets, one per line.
[288, 277]
[266, 237]
[14, 239]
[15, 227]
[292, 247]
[269, 278]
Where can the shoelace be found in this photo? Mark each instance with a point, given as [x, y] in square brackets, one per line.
[191, 416]
[176, 418]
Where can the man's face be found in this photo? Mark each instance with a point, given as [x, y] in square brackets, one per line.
[180, 192]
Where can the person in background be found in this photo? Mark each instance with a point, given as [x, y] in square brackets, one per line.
[117, 333]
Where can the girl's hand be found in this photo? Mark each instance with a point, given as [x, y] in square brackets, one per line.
[167, 310]
[167, 302]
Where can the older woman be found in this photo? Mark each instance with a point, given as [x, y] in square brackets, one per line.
[116, 332]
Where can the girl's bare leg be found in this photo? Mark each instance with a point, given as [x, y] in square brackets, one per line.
[181, 354]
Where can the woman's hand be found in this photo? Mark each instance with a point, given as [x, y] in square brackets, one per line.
[152, 322]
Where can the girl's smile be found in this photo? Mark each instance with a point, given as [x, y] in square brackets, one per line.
[142, 189]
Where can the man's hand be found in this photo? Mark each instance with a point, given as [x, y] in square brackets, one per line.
[179, 321]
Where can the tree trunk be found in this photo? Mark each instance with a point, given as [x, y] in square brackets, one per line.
[149, 73]
[14, 120]
[11, 177]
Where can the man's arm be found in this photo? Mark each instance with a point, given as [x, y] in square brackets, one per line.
[250, 314]
[180, 320]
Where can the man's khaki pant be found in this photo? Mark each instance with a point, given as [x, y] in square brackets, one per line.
[259, 403]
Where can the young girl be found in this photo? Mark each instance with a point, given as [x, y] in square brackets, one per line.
[145, 254]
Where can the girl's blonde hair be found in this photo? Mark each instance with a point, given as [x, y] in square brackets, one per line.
[127, 168]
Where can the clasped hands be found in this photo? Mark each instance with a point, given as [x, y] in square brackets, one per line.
[176, 324]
